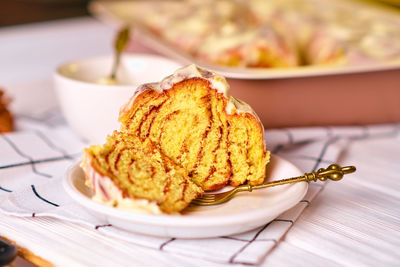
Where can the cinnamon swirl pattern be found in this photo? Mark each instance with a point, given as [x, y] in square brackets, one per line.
[178, 138]
[190, 117]
[133, 174]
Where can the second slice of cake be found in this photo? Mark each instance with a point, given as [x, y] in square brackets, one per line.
[132, 174]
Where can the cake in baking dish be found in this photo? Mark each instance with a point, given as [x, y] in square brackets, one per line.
[178, 138]
[263, 47]
[193, 120]
[270, 34]
[133, 174]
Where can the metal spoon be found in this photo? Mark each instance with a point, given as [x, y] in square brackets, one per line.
[120, 43]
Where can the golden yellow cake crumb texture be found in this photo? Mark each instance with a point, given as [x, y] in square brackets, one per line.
[140, 171]
[190, 125]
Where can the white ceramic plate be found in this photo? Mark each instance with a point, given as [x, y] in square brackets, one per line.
[246, 211]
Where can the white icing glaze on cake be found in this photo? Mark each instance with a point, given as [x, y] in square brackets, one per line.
[108, 193]
[217, 82]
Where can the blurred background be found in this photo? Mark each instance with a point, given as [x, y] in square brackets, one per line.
[221, 34]
[25, 11]
[17, 12]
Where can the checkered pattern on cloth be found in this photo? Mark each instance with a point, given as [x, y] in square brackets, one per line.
[34, 159]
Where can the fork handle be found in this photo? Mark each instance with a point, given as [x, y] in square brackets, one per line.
[333, 172]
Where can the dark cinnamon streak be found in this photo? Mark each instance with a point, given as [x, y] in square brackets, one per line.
[107, 156]
[152, 110]
[167, 185]
[211, 172]
[247, 150]
[213, 169]
[221, 133]
[118, 158]
[153, 172]
[154, 117]
[129, 173]
[184, 149]
[229, 153]
[141, 96]
[139, 129]
[204, 137]
[184, 190]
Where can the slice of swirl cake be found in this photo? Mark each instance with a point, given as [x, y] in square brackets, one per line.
[132, 174]
[191, 118]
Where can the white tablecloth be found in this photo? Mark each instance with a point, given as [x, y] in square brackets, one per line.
[353, 222]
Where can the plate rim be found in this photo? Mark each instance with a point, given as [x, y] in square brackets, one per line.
[175, 220]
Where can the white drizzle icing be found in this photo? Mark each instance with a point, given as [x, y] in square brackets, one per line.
[216, 81]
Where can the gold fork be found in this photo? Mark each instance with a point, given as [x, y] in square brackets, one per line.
[333, 172]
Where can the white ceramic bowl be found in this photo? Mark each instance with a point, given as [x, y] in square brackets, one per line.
[92, 109]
